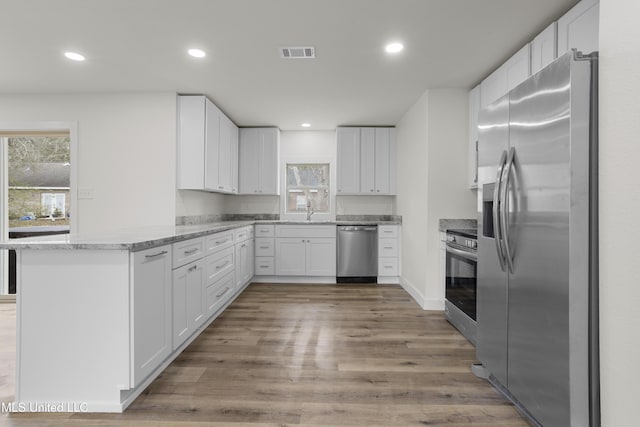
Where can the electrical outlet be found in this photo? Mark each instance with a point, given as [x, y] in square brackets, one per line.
[85, 193]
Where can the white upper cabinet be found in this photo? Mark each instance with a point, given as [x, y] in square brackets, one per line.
[544, 48]
[205, 146]
[366, 161]
[474, 109]
[259, 166]
[348, 160]
[578, 28]
[509, 75]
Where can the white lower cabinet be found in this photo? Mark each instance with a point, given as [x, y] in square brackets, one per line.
[244, 256]
[152, 310]
[305, 250]
[218, 293]
[188, 310]
[265, 250]
[389, 253]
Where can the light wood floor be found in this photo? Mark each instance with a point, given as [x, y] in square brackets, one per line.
[308, 355]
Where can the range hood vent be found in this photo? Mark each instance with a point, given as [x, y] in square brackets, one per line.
[308, 52]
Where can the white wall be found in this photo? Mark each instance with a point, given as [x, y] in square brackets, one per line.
[619, 207]
[412, 135]
[432, 184]
[126, 153]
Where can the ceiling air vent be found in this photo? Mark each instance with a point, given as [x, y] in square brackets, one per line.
[298, 52]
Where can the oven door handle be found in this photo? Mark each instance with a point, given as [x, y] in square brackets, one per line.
[464, 254]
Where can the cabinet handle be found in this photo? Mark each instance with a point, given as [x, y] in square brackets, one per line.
[388, 247]
[263, 266]
[218, 267]
[195, 267]
[156, 255]
[378, 191]
[219, 242]
[264, 247]
[264, 231]
[388, 266]
[220, 187]
[243, 246]
[223, 292]
[191, 251]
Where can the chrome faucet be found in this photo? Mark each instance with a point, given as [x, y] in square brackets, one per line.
[309, 210]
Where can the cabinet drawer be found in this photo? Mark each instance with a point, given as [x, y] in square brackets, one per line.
[305, 231]
[387, 266]
[218, 241]
[264, 266]
[388, 231]
[265, 230]
[264, 246]
[218, 264]
[242, 234]
[219, 293]
[188, 250]
[388, 247]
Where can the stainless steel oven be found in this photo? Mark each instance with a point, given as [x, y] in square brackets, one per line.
[461, 268]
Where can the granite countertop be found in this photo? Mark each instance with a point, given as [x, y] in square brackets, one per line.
[132, 239]
[149, 237]
[460, 223]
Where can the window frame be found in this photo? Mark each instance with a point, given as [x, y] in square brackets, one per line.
[302, 216]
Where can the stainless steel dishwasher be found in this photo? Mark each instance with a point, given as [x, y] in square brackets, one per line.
[357, 253]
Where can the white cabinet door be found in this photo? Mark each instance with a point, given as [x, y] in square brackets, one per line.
[544, 48]
[225, 169]
[383, 160]
[151, 310]
[579, 28]
[321, 257]
[259, 171]
[291, 256]
[212, 146]
[244, 263]
[367, 160]
[348, 173]
[191, 136]
[269, 161]
[188, 312]
[235, 141]
[250, 154]
[518, 67]
[474, 109]
[510, 74]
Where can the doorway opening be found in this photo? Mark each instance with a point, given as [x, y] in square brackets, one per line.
[36, 194]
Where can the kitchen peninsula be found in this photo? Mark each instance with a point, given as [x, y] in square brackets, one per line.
[99, 317]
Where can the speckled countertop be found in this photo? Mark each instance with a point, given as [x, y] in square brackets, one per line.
[148, 237]
[460, 223]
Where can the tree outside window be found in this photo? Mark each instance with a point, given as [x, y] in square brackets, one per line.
[308, 183]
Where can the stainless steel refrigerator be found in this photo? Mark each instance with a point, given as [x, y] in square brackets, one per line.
[537, 333]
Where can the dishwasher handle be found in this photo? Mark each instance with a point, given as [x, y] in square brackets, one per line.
[357, 228]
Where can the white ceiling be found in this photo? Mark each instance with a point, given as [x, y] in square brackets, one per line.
[140, 45]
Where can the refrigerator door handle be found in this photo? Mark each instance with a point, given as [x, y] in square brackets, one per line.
[504, 220]
[496, 211]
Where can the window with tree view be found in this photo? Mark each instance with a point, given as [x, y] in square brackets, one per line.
[308, 185]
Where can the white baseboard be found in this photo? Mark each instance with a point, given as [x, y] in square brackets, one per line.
[294, 279]
[424, 303]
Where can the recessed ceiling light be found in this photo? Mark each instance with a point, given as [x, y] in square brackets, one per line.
[306, 125]
[394, 47]
[197, 53]
[74, 56]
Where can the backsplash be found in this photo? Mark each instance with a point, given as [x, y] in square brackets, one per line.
[207, 219]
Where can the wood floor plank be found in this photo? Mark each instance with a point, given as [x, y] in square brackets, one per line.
[314, 355]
